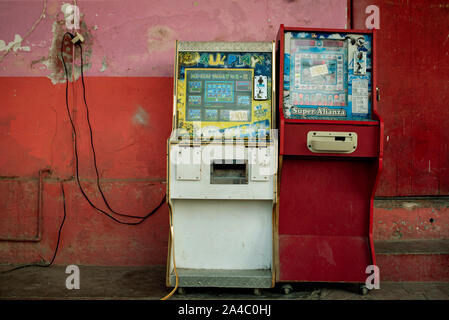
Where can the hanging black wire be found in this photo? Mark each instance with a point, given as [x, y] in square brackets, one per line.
[57, 243]
[142, 218]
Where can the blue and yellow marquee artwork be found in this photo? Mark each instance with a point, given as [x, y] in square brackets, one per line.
[215, 93]
[327, 76]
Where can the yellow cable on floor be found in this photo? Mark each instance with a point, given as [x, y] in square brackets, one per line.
[172, 236]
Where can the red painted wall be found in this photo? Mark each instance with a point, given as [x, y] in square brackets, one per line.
[129, 63]
[128, 55]
[130, 129]
[413, 77]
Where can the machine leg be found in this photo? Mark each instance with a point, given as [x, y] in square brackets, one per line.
[257, 291]
[287, 289]
[363, 290]
[181, 291]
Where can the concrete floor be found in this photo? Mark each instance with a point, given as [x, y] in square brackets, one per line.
[149, 283]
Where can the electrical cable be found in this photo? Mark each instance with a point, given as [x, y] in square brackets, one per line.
[97, 173]
[143, 218]
[93, 148]
[57, 243]
[172, 241]
[77, 175]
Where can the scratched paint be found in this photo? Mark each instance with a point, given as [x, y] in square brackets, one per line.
[104, 65]
[160, 38]
[14, 45]
[53, 62]
[420, 219]
[141, 117]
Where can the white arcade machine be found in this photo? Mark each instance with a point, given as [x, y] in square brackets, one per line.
[222, 162]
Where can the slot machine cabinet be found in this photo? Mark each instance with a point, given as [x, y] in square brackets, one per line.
[330, 154]
[222, 166]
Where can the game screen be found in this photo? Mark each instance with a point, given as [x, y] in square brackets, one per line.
[327, 76]
[318, 77]
[217, 93]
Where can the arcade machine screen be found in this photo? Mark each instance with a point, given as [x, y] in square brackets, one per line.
[224, 93]
[327, 76]
[219, 95]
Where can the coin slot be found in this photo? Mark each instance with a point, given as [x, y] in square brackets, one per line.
[229, 173]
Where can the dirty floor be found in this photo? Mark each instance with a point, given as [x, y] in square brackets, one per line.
[149, 283]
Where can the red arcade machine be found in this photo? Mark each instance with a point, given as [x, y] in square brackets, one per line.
[330, 154]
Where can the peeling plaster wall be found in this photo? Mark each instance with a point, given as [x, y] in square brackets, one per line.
[137, 38]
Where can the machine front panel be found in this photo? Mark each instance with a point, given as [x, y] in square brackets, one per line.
[331, 148]
[222, 165]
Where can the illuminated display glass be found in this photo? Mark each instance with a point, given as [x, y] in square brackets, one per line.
[219, 95]
[318, 72]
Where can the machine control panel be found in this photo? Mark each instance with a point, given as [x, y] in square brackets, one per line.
[331, 142]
